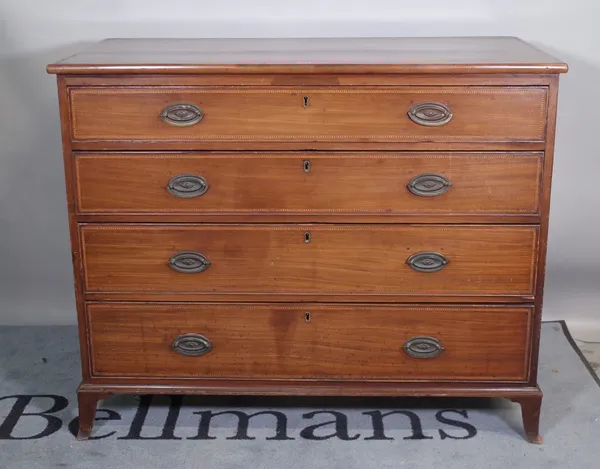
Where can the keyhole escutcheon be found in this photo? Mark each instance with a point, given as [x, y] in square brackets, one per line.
[306, 101]
[307, 316]
[307, 237]
[306, 166]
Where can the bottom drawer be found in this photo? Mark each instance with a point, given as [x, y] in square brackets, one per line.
[339, 342]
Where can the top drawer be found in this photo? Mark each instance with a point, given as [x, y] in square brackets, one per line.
[446, 114]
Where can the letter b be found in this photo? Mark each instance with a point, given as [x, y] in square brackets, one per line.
[52, 423]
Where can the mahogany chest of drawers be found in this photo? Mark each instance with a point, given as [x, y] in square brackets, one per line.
[362, 217]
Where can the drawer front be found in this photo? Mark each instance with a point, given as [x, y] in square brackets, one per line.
[309, 341]
[301, 183]
[338, 259]
[353, 114]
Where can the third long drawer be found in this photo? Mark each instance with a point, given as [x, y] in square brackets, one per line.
[310, 259]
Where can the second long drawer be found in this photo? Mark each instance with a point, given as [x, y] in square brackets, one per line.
[312, 259]
[303, 183]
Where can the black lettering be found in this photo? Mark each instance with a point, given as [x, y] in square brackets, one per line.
[243, 423]
[168, 431]
[340, 422]
[53, 423]
[379, 429]
[112, 415]
[471, 430]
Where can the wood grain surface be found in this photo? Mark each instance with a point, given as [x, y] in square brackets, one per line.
[340, 259]
[308, 183]
[339, 342]
[351, 114]
[311, 55]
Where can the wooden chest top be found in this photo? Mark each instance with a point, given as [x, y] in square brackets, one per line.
[312, 55]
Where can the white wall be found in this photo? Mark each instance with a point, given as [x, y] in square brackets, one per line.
[35, 271]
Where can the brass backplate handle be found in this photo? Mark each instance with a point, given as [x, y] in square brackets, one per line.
[430, 114]
[187, 186]
[182, 114]
[189, 262]
[192, 345]
[429, 185]
[423, 347]
[427, 261]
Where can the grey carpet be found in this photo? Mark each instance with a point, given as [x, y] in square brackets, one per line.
[39, 371]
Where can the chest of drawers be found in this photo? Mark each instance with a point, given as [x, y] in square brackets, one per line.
[363, 217]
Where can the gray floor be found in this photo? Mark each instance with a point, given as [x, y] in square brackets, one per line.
[591, 351]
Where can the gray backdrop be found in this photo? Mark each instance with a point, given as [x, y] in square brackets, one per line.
[35, 263]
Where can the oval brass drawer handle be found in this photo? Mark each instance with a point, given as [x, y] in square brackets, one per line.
[182, 114]
[189, 262]
[427, 261]
[423, 347]
[187, 186]
[429, 185]
[430, 114]
[192, 345]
